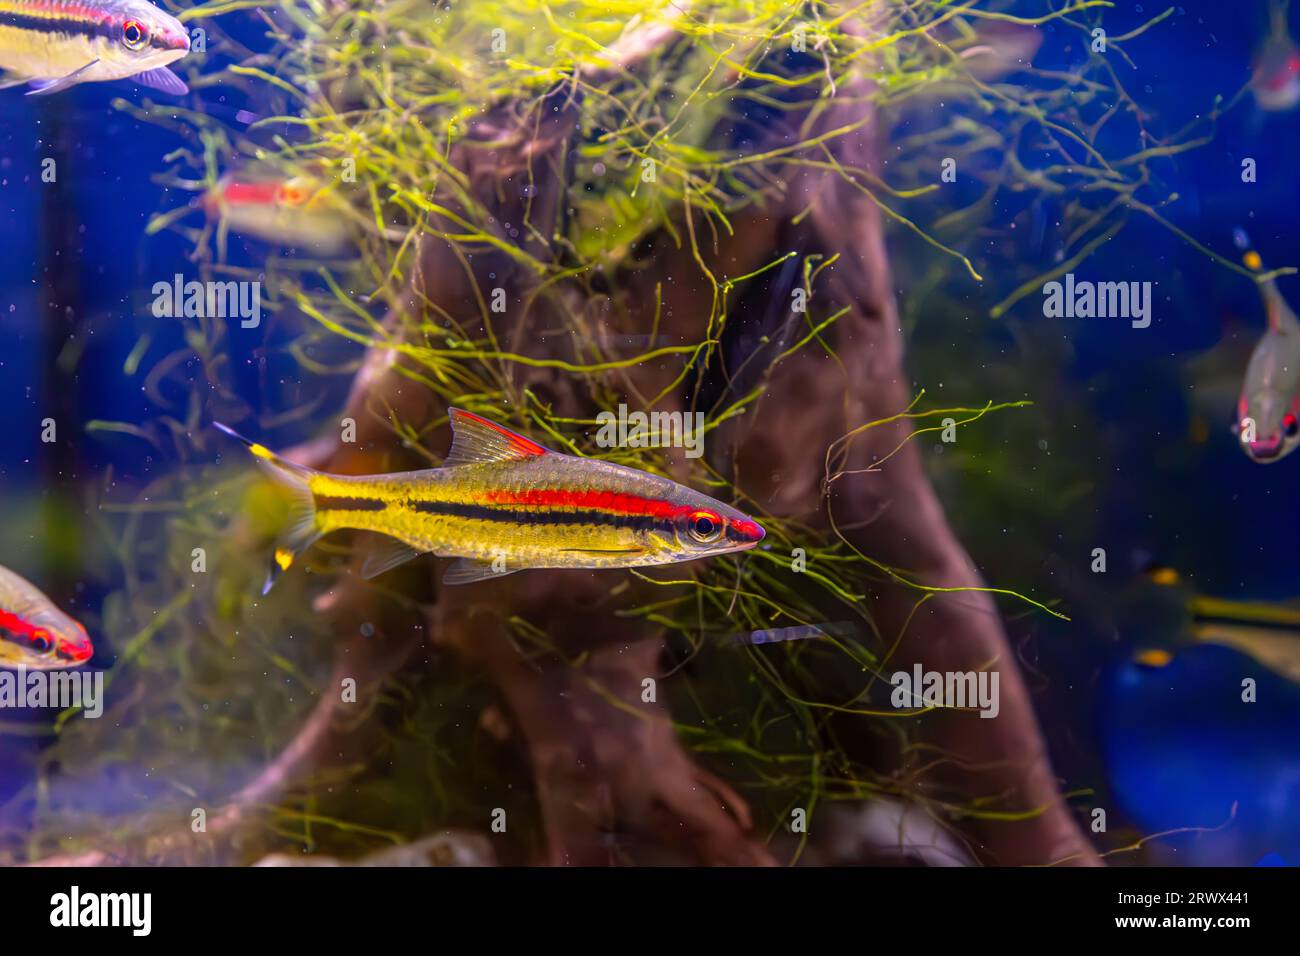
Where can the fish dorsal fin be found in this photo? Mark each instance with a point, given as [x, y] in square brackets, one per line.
[477, 441]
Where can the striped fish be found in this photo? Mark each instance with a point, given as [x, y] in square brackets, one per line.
[33, 632]
[55, 44]
[502, 503]
[1268, 407]
[295, 212]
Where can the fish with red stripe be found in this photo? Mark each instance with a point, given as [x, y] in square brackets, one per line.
[503, 503]
[297, 211]
[55, 44]
[33, 632]
[1268, 409]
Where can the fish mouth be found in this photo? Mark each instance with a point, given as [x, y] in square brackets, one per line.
[1279, 97]
[169, 45]
[1265, 450]
[745, 533]
[76, 654]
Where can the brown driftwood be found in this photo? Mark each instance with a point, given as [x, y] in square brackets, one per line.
[597, 768]
[608, 766]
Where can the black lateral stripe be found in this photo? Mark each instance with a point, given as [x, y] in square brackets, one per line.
[71, 26]
[331, 503]
[517, 516]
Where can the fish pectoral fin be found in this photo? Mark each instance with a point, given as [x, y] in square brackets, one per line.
[162, 79]
[476, 441]
[15, 81]
[469, 570]
[46, 87]
[389, 554]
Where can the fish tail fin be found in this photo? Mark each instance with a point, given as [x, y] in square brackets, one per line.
[1277, 15]
[1280, 317]
[302, 529]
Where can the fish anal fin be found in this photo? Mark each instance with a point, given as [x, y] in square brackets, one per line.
[46, 87]
[478, 441]
[389, 554]
[469, 570]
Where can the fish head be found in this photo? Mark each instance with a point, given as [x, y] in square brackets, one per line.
[141, 37]
[297, 192]
[1268, 424]
[47, 640]
[1276, 76]
[702, 527]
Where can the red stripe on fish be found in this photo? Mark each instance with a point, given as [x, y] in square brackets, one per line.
[13, 623]
[598, 500]
[258, 193]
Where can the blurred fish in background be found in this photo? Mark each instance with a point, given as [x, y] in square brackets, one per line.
[1275, 80]
[1192, 750]
[294, 211]
[1268, 410]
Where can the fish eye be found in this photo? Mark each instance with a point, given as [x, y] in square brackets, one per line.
[134, 35]
[1290, 426]
[41, 641]
[705, 526]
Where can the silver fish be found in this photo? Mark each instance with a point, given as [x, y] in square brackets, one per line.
[1268, 409]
